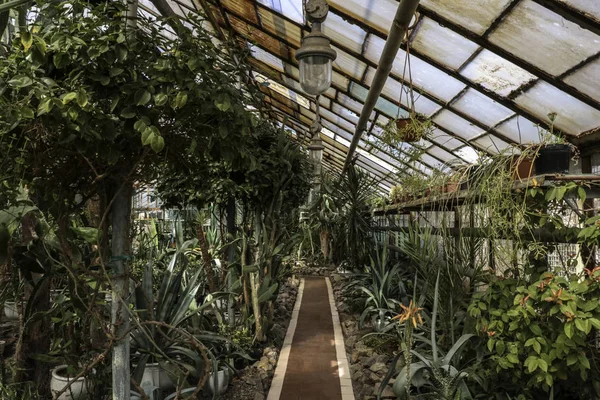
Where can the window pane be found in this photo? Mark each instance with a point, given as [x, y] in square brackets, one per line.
[544, 38]
[475, 15]
[478, 106]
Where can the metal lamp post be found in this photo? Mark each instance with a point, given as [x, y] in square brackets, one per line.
[315, 57]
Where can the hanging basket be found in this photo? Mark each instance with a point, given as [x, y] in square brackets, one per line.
[407, 130]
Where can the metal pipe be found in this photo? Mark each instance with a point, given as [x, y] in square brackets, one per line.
[404, 14]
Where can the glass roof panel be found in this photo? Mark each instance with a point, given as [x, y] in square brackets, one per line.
[491, 144]
[442, 44]
[586, 79]
[288, 93]
[459, 126]
[344, 112]
[352, 104]
[475, 15]
[495, 73]
[478, 106]
[393, 88]
[520, 129]
[430, 160]
[441, 153]
[325, 113]
[443, 139]
[573, 116]
[376, 13]
[424, 75]
[280, 27]
[340, 31]
[468, 154]
[274, 46]
[544, 38]
[243, 8]
[342, 141]
[267, 58]
[348, 64]
[325, 101]
[591, 7]
[383, 105]
[290, 8]
[340, 81]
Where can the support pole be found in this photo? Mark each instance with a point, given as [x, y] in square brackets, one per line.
[121, 215]
[404, 14]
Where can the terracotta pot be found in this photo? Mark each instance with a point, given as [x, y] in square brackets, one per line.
[401, 127]
[451, 187]
[522, 167]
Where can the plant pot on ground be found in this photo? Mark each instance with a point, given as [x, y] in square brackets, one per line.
[61, 378]
[217, 382]
[10, 311]
[553, 159]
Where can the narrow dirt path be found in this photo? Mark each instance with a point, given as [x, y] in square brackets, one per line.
[309, 369]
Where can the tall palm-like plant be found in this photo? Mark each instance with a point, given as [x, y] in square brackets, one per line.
[354, 192]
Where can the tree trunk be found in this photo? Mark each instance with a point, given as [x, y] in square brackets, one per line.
[35, 333]
[121, 215]
[231, 212]
[324, 236]
[254, 285]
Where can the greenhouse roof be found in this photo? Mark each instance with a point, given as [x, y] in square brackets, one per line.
[487, 72]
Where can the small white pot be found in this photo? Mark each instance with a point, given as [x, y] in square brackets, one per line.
[223, 377]
[10, 310]
[158, 377]
[77, 390]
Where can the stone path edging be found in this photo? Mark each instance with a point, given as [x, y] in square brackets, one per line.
[282, 362]
[340, 349]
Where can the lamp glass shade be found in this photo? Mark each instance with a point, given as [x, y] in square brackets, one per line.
[315, 74]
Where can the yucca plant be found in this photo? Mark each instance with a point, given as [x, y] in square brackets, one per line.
[383, 284]
[157, 337]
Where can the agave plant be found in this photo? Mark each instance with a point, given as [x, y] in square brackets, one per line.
[157, 337]
[384, 286]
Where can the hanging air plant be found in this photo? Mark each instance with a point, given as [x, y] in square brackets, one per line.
[408, 130]
[415, 126]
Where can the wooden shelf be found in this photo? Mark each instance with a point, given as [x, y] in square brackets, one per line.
[450, 200]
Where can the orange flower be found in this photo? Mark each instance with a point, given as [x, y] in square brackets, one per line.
[410, 313]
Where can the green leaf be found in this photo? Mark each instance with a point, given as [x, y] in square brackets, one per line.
[90, 235]
[115, 71]
[223, 131]
[147, 135]
[114, 103]
[140, 125]
[128, 112]
[537, 347]
[45, 106]
[581, 192]
[61, 60]
[104, 80]
[69, 97]
[180, 100]
[158, 143]
[535, 328]
[569, 330]
[82, 98]
[583, 360]
[142, 97]
[512, 358]
[490, 344]
[20, 81]
[223, 102]
[580, 324]
[571, 359]
[27, 112]
[533, 364]
[160, 99]
[542, 364]
[500, 347]
[26, 40]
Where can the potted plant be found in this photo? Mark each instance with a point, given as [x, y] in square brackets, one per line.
[63, 376]
[10, 311]
[555, 153]
[522, 166]
[218, 381]
[406, 130]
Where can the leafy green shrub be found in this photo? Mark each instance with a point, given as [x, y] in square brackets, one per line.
[541, 335]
